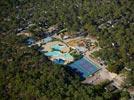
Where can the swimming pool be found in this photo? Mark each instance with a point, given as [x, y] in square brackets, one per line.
[57, 47]
[53, 53]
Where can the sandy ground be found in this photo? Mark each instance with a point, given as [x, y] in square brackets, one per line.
[95, 79]
[71, 39]
[24, 33]
[74, 42]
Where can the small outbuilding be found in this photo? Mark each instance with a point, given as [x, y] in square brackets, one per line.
[30, 41]
[81, 49]
[46, 40]
[110, 88]
[59, 61]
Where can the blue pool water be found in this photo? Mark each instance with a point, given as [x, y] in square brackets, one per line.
[57, 47]
[53, 53]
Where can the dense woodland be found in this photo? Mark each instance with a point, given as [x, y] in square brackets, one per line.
[26, 74]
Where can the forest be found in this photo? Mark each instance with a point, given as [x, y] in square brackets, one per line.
[26, 74]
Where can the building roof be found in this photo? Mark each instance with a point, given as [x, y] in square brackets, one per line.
[48, 39]
[81, 49]
[65, 37]
[59, 61]
[110, 87]
[30, 41]
[131, 90]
